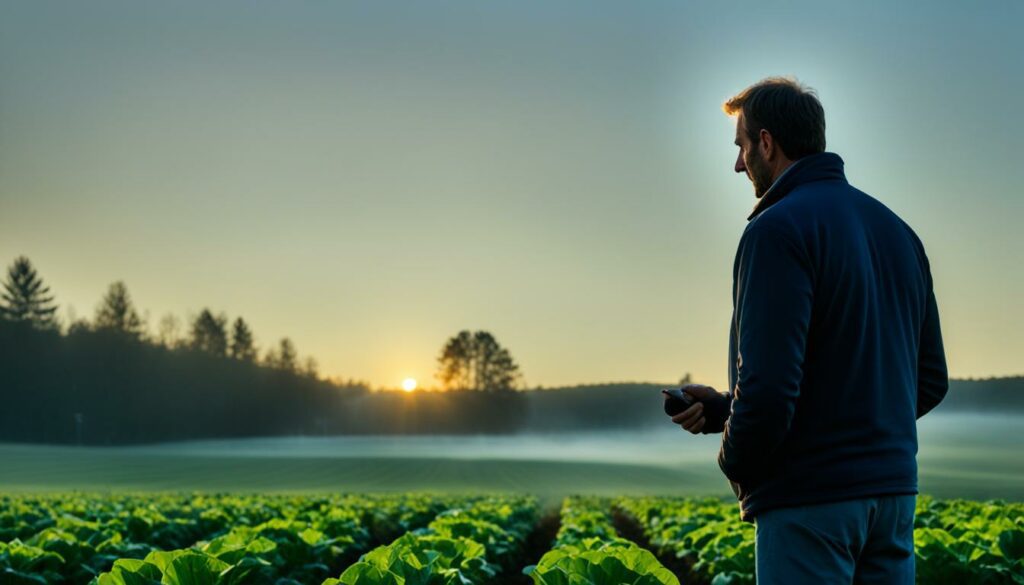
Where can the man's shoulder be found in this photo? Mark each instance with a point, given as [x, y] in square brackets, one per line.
[825, 204]
[776, 231]
[883, 213]
[779, 220]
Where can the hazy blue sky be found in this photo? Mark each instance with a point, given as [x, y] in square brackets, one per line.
[369, 178]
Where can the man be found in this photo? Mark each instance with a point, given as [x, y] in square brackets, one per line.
[835, 351]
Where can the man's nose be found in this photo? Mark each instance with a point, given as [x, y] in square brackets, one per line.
[740, 167]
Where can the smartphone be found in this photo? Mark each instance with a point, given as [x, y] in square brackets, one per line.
[676, 401]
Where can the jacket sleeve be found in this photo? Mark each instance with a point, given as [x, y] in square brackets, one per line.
[716, 412]
[932, 377]
[773, 303]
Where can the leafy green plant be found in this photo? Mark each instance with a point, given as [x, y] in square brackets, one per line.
[705, 531]
[465, 544]
[587, 550]
[959, 541]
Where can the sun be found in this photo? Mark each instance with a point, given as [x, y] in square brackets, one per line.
[409, 384]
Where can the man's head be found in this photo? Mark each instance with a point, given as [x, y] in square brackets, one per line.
[778, 121]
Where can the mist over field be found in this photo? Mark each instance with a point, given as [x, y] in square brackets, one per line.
[968, 455]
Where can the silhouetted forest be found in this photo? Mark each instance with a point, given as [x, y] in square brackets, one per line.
[102, 387]
[108, 382]
[111, 381]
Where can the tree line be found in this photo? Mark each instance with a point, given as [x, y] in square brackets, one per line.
[25, 299]
[112, 381]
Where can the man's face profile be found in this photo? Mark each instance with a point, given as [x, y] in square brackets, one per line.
[750, 161]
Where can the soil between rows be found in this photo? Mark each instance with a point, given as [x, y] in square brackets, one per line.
[628, 528]
[538, 542]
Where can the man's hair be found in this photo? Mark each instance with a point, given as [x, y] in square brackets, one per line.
[788, 110]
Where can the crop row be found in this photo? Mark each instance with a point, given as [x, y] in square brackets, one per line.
[72, 540]
[706, 532]
[962, 541]
[423, 539]
[955, 541]
[466, 544]
[450, 549]
[587, 549]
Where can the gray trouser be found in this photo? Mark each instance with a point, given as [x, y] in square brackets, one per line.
[868, 540]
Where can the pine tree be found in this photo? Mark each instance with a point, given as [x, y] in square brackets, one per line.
[241, 341]
[283, 357]
[24, 297]
[287, 357]
[310, 367]
[209, 333]
[116, 312]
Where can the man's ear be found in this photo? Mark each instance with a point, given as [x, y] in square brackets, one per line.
[767, 143]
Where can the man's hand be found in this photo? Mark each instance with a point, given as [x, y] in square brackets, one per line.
[692, 419]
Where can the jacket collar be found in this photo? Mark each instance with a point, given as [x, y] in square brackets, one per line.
[823, 166]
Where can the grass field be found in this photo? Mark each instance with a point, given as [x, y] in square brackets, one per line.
[40, 469]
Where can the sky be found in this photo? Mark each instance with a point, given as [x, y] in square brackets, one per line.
[370, 178]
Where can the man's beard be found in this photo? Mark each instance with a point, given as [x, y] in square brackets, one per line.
[760, 174]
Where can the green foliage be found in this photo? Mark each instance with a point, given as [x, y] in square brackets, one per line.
[223, 539]
[469, 543]
[22, 563]
[131, 572]
[423, 559]
[959, 541]
[597, 561]
[193, 539]
[955, 541]
[707, 531]
[587, 551]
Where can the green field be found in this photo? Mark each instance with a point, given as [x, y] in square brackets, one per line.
[301, 509]
[50, 469]
[43, 469]
[961, 456]
[177, 538]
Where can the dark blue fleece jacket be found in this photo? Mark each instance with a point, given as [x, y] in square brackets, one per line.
[835, 349]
